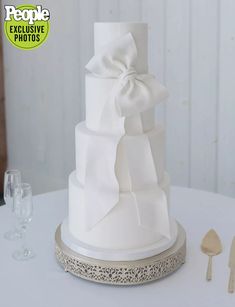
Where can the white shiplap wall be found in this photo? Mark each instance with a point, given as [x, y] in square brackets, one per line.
[191, 50]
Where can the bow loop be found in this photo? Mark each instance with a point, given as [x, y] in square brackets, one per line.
[118, 60]
[115, 58]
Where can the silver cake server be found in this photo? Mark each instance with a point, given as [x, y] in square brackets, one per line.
[211, 246]
[231, 265]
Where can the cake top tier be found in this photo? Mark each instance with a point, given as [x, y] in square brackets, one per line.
[106, 32]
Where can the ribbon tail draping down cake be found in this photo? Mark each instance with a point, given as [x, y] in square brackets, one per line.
[119, 192]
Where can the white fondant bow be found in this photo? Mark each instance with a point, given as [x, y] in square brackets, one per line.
[134, 92]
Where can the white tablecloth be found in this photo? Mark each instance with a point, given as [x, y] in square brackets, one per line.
[41, 282]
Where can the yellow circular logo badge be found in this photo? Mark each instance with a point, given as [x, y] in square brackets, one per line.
[26, 26]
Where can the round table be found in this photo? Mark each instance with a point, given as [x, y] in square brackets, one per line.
[42, 282]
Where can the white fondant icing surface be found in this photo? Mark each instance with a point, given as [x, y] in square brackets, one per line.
[153, 140]
[131, 94]
[119, 194]
[115, 254]
[120, 229]
[105, 33]
[97, 91]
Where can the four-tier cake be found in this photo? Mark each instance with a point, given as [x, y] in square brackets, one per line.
[119, 193]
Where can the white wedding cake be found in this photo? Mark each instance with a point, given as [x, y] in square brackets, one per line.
[119, 193]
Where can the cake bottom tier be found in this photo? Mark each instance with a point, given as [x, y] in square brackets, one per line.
[119, 229]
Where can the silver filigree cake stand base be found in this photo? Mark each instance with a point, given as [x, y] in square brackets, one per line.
[122, 272]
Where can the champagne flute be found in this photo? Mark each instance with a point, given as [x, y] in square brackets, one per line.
[23, 209]
[11, 179]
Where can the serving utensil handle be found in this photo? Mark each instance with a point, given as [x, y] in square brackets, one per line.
[209, 269]
[231, 281]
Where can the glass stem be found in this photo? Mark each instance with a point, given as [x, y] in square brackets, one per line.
[23, 231]
[17, 227]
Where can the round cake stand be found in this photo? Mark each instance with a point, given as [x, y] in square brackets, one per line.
[122, 272]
